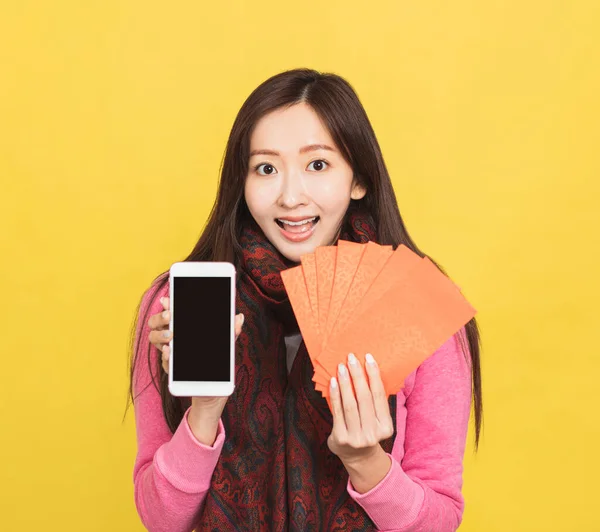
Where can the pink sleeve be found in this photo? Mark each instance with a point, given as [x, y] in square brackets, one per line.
[422, 490]
[172, 472]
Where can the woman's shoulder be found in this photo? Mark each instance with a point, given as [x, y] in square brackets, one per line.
[151, 297]
[451, 359]
[145, 373]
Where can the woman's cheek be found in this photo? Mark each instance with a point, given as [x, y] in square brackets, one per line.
[259, 195]
[331, 195]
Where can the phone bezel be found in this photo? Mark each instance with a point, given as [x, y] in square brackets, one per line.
[202, 388]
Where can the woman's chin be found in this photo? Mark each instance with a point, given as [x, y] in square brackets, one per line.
[293, 255]
[294, 251]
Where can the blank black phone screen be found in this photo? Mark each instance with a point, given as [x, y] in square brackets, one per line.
[201, 328]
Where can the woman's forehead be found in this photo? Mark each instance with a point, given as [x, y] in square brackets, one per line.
[290, 129]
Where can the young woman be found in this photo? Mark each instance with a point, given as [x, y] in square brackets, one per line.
[302, 168]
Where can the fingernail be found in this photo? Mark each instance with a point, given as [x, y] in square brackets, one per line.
[333, 383]
[352, 359]
[165, 314]
[342, 369]
[369, 358]
[242, 320]
[162, 301]
[166, 334]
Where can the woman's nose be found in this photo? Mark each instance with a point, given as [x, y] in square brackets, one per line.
[292, 192]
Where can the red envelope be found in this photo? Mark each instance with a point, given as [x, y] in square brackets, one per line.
[366, 298]
[402, 328]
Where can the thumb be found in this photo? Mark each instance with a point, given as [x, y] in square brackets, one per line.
[239, 321]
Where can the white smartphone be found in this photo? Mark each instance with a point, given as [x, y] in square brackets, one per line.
[202, 361]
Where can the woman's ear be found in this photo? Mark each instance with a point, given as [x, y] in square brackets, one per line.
[358, 191]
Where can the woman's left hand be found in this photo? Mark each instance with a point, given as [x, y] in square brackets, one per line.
[361, 420]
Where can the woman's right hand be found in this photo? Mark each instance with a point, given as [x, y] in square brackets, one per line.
[206, 411]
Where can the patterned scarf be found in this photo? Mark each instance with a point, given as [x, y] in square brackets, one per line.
[275, 472]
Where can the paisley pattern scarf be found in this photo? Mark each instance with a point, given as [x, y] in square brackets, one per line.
[275, 472]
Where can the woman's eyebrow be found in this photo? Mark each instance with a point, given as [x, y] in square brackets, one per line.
[315, 147]
[304, 149]
[264, 152]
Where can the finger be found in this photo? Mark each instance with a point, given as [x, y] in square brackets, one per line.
[337, 410]
[364, 398]
[166, 302]
[166, 353]
[159, 338]
[239, 322]
[349, 405]
[380, 401]
[160, 320]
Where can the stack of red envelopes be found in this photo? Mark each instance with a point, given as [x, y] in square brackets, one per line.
[367, 298]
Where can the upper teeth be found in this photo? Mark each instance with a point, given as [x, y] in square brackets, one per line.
[308, 220]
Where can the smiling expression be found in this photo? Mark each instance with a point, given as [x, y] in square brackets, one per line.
[299, 185]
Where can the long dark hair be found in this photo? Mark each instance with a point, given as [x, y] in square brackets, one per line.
[338, 106]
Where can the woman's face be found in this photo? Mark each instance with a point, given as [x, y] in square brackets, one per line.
[298, 186]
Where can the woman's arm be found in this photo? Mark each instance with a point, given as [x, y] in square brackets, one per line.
[422, 490]
[172, 472]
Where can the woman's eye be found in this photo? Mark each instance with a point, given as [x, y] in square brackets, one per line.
[266, 169]
[317, 166]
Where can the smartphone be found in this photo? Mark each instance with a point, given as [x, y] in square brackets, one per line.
[202, 322]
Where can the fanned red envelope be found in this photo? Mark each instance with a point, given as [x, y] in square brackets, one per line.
[366, 298]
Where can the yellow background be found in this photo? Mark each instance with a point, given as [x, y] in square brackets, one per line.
[113, 121]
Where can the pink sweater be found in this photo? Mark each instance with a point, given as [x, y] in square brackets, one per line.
[421, 492]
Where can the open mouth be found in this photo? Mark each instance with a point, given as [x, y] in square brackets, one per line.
[297, 229]
[299, 226]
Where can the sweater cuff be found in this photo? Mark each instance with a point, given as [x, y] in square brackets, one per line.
[393, 503]
[187, 464]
